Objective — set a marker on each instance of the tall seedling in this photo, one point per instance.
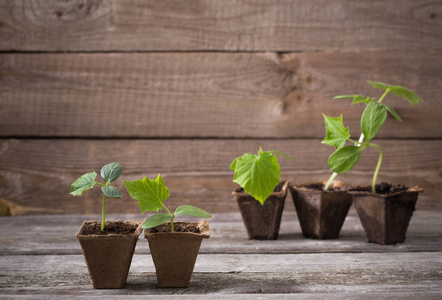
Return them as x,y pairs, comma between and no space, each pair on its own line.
372,119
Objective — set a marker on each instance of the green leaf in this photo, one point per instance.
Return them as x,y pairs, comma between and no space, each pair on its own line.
155,220
372,119
399,91
189,210
233,164
342,160
111,172
356,98
258,174
336,133
379,85
393,113
345,97
282,154
149,193
111,192
83,183
406,94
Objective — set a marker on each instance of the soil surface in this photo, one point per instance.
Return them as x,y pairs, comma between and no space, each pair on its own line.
115,227
278,188
178,227
319,187
382,188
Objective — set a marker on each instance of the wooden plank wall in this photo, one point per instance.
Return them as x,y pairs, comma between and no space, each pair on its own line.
181,88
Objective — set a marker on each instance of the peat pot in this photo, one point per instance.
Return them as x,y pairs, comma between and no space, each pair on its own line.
174,253
108,256
385,217
321,213
262,221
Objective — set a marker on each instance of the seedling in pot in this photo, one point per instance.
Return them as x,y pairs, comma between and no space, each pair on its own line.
372,119
109,173
258,174
151,195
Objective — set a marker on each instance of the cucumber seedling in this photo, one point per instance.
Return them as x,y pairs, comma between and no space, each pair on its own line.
109,173
258,174
372,119
151,194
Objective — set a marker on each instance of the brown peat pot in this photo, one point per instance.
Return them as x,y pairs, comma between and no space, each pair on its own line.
174,253
385,217
321,213
262,221
108,256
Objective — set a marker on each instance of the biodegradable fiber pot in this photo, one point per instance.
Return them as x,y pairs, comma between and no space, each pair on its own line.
385,217
321,213
174,253
262,221
108,257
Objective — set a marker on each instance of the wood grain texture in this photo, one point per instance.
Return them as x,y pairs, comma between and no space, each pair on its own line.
403,270
55,235
39,172
222,95
237,274
235,25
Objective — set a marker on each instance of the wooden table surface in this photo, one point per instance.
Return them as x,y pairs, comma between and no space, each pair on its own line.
40,257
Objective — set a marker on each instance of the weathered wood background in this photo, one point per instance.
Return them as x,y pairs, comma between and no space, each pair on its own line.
181,88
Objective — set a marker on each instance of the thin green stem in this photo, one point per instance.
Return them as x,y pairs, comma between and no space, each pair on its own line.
361,139
330,180
172,216
383,96
376,172
99,183
333,176
171,223
103,220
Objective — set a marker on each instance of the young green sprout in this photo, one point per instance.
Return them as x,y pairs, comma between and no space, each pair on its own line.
109,173
258,174
151,194
372,119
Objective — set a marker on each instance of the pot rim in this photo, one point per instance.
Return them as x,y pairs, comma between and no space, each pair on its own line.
335,183
414,189
203,225
278,194
136,233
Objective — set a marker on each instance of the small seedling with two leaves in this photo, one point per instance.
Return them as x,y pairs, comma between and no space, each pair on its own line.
109,173
151,194
258,174
372,119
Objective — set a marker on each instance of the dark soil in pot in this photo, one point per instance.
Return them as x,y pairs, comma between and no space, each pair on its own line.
262,221
174,253
321,213
385,215
108,254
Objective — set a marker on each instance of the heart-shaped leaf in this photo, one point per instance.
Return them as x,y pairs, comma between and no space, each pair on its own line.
155,220
189,210
83,183
372,119
149,193
343,160
258,174
111,172
111,192
336,134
